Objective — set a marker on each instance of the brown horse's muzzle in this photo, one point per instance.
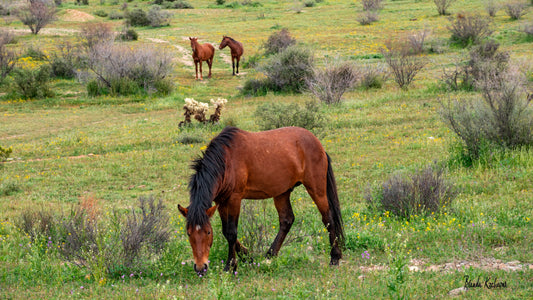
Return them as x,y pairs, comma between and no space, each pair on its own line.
201,271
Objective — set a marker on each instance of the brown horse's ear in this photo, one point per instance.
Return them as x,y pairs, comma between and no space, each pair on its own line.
211,211
183,210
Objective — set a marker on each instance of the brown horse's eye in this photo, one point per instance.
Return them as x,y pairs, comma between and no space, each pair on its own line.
209,232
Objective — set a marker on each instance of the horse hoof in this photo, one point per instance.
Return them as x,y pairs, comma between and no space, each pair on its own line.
334,262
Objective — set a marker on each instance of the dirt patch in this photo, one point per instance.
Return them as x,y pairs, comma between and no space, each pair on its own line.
72,15
488,264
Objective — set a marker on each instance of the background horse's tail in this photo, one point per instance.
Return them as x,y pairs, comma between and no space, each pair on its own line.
334,205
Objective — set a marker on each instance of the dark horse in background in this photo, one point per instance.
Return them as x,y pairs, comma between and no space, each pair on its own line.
236,50
202,52
244,165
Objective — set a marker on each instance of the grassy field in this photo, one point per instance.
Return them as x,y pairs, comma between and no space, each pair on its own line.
112,150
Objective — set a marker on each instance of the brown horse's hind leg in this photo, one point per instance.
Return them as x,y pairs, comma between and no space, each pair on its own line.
209,63
321,202
233,65
286,218
238,59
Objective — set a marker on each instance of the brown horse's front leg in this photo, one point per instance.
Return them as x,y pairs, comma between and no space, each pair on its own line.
196,68
286,219
238,59
229,229
201,77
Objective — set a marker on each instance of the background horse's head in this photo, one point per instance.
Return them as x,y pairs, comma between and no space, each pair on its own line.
194,43
224,42
200,238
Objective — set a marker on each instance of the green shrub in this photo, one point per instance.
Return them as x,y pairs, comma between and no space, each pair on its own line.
100,13
66,60
178,4
288,70
256,87
423,192
128,34
94,88
137,17
116,15
277,115
469,28
5,153
33,83
373,77
158,17
278,41
309,3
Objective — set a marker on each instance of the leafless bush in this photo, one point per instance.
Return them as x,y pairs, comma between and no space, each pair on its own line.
516,9
8,57
420,193
443,5
93,34
417,40
372,5
145,66
469,28
329,83
482,57
367,17
491,7
147,229
278,41
402,64
503,116
78,237
37,224
36,14
528,29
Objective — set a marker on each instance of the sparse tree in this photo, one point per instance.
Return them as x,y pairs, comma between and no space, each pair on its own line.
443,5
402,64
8,58
36,14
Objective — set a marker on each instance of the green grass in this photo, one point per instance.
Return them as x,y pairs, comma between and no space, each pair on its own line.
118,149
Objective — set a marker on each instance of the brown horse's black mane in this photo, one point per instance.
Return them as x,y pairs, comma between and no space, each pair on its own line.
231,39
209,169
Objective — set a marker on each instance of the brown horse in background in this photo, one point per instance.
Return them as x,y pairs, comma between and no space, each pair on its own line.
238,165
202,52
236,50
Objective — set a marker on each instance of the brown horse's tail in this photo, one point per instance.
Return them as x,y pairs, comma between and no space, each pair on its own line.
334,205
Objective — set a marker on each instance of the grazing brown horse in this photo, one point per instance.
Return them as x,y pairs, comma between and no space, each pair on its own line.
236,50
238,164
202,52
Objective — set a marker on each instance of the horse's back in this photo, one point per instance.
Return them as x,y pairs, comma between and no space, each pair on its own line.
271,162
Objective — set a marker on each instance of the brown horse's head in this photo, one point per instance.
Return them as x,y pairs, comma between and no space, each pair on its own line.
201,239
224,42
194,43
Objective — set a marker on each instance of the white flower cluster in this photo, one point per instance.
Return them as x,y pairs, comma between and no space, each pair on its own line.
195,106
220,102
